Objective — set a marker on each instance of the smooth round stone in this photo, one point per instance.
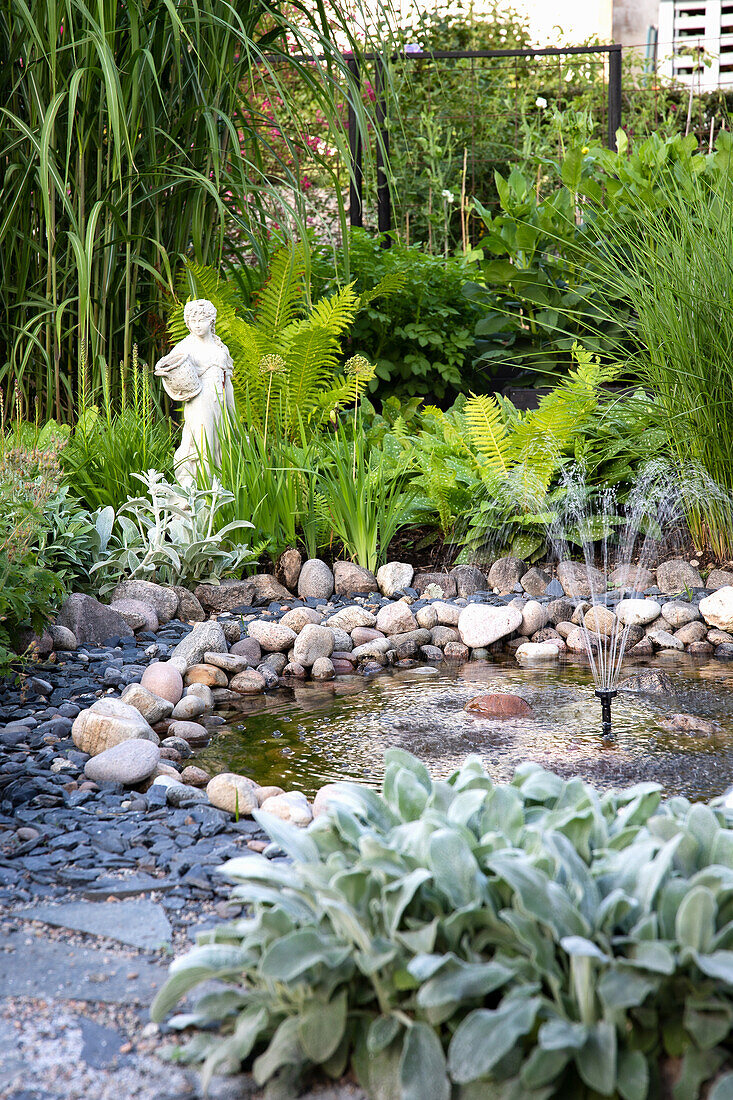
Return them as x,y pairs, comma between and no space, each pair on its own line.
678,613
480,625
300,617
396,618
177,745
189,708
201,691
191,732
293,807
312,643
499,705
273,637
250,682
537,651
128,762
230,663
638,612
600,620
138,615
206,674
233,793
180,796
249,648
360,635
349,618
163,679
315,580
717,609
152,707
195,777
323,669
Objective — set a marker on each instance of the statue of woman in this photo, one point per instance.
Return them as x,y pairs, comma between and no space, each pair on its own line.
198,372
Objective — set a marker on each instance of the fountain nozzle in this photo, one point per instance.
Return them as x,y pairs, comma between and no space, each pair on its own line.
606,695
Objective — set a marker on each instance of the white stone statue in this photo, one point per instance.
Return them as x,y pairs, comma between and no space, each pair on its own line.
198,371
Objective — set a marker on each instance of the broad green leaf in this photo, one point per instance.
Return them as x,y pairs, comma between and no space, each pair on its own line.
455,870
695,923
596,1060
718,964
624,988
294,954
461,981
486,1035
321,1027
632,1075
708,1022
422,1067
382,1032
284,1049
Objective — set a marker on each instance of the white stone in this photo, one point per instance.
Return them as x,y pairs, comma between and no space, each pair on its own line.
427,616
273,637
480,625
637,612
106,723
202,692
202,638
537,651
293,807
392,577
300,617
447,613
717,609
233,793
662,639
534,617
198,371
678,613
349,618
313,642
372,649
395,618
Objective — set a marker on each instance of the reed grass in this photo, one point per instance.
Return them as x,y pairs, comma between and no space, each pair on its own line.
127,143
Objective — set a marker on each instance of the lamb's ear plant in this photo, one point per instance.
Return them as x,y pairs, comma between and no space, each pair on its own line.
464,940
171,534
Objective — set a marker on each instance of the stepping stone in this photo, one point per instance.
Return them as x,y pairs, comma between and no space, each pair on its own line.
137,923
53,969
101,1044
127,887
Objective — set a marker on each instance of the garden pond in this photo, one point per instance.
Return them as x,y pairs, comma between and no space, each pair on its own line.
319,733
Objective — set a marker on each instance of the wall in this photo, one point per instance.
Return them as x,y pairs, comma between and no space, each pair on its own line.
631,20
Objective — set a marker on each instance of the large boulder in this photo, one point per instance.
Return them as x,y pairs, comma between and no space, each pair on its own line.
393,577
128,762
164,601
717,609
315,580
225,596
190,650
579,579
164,679
350,578
677,575
480,625
273,637
138,615
106,723
395,618
312,642
189,608
90,621
506,573
535,581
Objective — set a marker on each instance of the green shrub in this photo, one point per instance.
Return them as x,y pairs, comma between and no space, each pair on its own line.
464,939
420,340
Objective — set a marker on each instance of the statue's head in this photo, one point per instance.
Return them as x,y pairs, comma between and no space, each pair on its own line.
200,316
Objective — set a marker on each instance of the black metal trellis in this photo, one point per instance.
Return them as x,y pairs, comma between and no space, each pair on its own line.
384,198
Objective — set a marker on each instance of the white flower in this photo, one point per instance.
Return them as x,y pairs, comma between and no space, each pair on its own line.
540,102
448,195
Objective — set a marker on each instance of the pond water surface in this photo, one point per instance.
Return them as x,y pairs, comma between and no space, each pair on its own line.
312,734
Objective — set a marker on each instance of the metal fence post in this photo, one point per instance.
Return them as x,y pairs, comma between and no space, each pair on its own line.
356,174
384,199
614,94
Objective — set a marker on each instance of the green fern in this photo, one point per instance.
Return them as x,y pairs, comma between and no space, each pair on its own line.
488,431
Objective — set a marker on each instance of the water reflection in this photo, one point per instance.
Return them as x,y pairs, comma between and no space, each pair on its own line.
303,737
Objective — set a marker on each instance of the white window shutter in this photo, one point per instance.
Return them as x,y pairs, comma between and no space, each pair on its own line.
692,32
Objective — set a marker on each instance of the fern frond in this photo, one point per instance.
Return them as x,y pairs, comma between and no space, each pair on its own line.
281,298
337,311
391,283
439,481
488,431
